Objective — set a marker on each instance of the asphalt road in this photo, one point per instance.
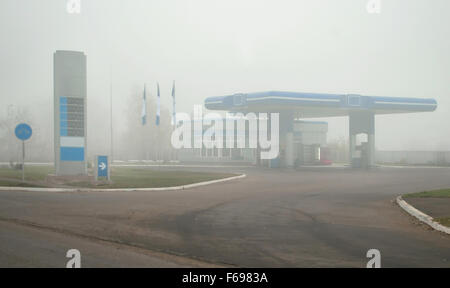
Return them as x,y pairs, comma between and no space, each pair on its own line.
313,217
25,245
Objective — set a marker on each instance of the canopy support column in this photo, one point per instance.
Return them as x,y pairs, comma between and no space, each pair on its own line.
363,155
287,137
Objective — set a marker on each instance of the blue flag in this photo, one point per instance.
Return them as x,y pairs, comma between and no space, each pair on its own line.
158,104
144,108
174,117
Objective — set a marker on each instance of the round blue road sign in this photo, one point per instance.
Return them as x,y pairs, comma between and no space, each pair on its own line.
23,131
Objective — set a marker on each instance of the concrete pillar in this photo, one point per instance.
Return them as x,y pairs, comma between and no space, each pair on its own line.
352,149
371,147
362,122
257,160
290,149
287,137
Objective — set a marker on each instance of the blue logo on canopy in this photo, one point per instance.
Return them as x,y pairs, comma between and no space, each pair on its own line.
23,131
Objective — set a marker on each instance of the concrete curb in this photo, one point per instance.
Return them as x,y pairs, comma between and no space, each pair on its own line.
43,189
422,216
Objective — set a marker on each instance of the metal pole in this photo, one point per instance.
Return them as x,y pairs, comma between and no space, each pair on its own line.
23,161
111,120
109,169
10,130
96,167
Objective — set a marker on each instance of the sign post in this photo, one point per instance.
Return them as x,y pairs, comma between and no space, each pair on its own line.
102,169
23,132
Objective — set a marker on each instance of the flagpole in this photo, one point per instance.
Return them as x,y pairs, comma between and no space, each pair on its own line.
158,111
144,122
111,121
174,118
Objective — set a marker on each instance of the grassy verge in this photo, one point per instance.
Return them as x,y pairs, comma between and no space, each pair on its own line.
122,177
32,173
443,193
444,221
15,183
126,177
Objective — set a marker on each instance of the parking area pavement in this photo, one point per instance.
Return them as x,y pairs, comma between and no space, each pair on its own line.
310,217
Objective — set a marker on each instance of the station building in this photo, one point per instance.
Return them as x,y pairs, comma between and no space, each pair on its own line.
310,146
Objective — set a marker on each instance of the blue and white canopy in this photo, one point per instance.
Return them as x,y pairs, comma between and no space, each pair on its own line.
317,104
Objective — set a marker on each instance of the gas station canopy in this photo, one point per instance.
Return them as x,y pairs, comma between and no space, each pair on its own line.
290,105
318,104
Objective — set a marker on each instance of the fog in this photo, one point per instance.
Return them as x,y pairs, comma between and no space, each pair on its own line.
214,48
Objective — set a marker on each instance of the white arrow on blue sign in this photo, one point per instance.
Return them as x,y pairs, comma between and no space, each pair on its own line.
102,166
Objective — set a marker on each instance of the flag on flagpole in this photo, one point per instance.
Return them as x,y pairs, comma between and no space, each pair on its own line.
144,108
158,106
174,117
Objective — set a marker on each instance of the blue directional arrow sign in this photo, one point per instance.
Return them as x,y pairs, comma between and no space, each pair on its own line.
23,131
102,166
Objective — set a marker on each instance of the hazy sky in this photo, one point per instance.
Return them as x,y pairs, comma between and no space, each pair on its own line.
214,48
